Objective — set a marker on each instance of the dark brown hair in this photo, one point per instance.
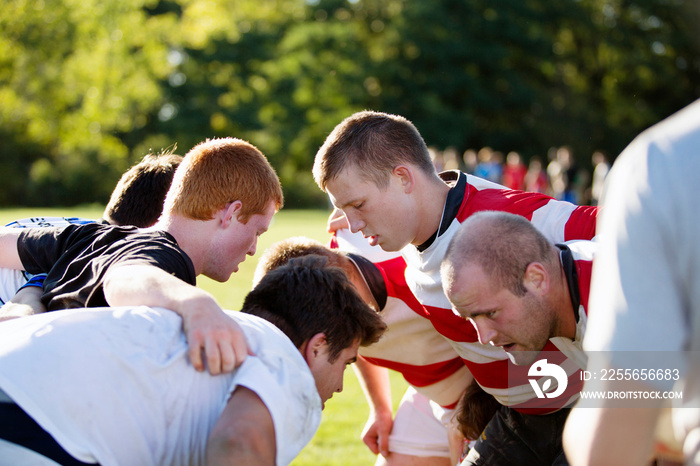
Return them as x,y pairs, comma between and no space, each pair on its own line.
138,197
282,251
475,410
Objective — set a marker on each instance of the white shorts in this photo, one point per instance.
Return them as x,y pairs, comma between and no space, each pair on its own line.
420,427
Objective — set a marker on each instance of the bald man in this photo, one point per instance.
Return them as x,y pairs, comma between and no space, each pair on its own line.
523,294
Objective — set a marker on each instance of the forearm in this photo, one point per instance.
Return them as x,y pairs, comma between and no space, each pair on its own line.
25,303
209,331
375,384
9,256
145,285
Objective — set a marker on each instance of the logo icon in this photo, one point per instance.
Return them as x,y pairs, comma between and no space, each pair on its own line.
542,368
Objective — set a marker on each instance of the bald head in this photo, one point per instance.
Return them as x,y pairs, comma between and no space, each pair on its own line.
502,245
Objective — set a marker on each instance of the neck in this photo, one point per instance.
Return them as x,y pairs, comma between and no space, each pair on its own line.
188,233
431,205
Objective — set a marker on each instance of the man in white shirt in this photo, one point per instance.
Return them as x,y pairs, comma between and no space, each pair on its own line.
645,299
115,386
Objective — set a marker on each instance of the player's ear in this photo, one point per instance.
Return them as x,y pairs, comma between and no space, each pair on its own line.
230,212
406,177
314,348
536,278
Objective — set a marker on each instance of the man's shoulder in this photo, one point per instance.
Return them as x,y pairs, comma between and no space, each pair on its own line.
582,249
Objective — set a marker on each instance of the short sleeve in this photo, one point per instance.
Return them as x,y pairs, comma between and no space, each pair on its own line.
40,248
286,386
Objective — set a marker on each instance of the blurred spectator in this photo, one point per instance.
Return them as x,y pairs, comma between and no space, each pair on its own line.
451,159
470,161
437,158
556,172
536,178
488,167
566,180
514,172
601,166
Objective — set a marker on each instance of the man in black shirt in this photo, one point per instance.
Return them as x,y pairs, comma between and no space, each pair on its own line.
222,198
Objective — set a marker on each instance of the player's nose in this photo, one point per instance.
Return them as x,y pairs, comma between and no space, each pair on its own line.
356,223
486,333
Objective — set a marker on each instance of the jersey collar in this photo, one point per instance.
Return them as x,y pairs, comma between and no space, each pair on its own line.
569,265
458,184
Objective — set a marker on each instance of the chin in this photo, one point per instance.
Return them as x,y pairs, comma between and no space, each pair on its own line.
221,278
390,247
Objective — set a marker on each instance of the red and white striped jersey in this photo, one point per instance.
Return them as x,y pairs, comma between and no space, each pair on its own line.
410,345
559,221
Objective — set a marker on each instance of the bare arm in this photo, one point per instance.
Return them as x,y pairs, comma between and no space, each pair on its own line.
207,328
9,257
26,302
244,434
610,434
375,383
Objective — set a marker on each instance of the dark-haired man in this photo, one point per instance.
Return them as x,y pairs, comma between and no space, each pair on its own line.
115,387
136,200
418,434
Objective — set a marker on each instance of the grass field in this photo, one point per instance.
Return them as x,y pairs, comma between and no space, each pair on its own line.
338,439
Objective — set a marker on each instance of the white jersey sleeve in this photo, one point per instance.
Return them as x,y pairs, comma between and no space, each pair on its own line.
115,386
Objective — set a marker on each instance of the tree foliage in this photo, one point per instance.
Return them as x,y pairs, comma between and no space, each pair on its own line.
88,87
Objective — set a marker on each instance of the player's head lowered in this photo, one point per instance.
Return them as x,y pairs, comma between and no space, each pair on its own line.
282,251
138,197
375,143
306,297
502,245
503,275
219,171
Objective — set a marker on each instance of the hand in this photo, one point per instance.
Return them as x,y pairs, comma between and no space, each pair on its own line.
26,302
337,221
209,331
376,432
11,315
214,335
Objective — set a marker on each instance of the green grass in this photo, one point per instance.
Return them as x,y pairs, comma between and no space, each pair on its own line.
338,439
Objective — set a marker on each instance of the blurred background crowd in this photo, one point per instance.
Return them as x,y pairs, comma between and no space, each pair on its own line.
557,175
88,88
